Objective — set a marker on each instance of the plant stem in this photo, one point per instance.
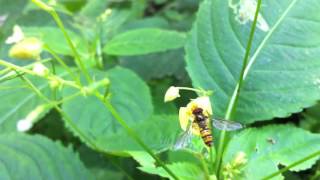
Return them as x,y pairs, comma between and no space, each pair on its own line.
205,167
313,155
133,134
51,77
63,64
57,19
234,99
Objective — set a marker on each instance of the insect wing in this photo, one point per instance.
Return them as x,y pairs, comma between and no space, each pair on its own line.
184,140
226,125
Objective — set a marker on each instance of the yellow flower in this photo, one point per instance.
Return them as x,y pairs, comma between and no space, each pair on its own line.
171,94
28,48
186,115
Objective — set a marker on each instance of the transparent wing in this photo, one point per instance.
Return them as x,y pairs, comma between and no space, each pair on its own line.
185,139
226,125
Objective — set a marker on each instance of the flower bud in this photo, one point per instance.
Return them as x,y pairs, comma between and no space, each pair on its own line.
55,84
26,124
171,94
28,48
40,69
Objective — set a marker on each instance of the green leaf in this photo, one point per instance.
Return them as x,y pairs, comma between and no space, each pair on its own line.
157,65
18,100
131,98
144,41
268,147
158,132
36,157
282,75
184,170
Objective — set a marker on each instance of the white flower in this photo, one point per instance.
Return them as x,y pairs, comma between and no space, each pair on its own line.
24,125
16,36
171,94
40,69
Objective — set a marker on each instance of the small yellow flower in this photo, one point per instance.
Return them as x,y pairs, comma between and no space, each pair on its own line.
186,115
171,94
28,48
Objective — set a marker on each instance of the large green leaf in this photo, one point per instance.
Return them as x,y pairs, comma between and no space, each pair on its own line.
18,100
131,98
283,72
36,157
144,41
268,147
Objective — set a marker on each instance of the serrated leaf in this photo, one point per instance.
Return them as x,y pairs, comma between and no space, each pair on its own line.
144,41
283,72
268,147
36,157
18,100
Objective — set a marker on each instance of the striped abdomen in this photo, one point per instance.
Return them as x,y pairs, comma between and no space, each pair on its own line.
206,136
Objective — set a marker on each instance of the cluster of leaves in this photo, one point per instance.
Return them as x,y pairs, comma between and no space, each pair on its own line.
142,47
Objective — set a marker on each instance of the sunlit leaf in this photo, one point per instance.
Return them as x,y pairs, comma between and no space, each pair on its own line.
268,147
36,157
144,41
283,72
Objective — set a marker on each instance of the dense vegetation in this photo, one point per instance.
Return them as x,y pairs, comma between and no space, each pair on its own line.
83,84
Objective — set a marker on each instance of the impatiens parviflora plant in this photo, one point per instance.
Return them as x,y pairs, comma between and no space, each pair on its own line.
93,88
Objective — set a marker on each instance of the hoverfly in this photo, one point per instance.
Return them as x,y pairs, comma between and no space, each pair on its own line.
202,122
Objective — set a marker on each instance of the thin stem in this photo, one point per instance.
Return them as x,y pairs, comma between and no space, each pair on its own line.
56,17
133,134
63,114
63,64
205,167
50,77
234,99
313,155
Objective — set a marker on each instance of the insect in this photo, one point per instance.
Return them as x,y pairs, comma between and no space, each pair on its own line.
203,122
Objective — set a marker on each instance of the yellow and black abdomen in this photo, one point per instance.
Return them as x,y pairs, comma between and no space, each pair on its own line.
206,136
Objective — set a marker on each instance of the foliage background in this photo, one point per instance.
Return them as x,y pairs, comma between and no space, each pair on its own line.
143,47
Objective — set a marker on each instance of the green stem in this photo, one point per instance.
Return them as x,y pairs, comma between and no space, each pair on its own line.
63,114
234,99
63,64
133,134
57,19
205,167
313,155
50,77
